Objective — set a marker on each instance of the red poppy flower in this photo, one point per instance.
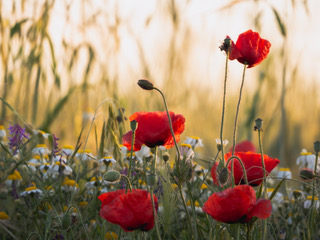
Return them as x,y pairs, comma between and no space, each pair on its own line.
131,210
249,49
253,164
244,146
154,130
237,205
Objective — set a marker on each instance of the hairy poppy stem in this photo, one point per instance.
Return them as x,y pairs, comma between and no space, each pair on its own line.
224,102
170,122
131,153
151,193
241,163
312,209
128,182
264,182
236,120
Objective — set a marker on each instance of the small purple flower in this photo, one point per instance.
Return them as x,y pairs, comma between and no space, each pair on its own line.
124,182
19,134
55,148
159,190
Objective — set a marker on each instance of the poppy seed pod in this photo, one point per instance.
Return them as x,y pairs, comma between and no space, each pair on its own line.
133,125
258,125
316,146
165,156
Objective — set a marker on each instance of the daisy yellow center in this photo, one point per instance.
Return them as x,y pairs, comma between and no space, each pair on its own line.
15,176
41,146
1,127
68,147
310,198
31,188
305,153
196,138
284,169
3,216
185,145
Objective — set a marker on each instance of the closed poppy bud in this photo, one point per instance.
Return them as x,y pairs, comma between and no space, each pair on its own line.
145,84
223,176
226,45
151,180
112,176
306,174
66,221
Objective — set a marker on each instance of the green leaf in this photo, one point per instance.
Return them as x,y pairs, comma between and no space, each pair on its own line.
16,29
281,25
276,189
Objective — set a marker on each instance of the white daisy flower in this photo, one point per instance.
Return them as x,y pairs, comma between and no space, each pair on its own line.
32,191
2,132
194,141
41,149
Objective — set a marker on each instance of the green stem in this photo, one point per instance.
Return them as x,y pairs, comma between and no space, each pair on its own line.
131,153
128,182
185,205
236,121
238,231
170,123
224,104
312,209
264,230
241,163
154,214
151,193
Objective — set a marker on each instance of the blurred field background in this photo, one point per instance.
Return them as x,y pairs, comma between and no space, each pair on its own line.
61,59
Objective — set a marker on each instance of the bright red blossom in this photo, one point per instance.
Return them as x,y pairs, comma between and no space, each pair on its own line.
253,164
244,146
131,210
237,205
154,130
249,49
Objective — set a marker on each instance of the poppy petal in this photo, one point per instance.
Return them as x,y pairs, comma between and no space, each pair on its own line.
263,208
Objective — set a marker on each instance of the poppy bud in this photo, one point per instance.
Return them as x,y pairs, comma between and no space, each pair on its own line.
258,125
133,125
145,84
306,174
316,146
223,176
226,45
151,180
165,157
66,221
112,176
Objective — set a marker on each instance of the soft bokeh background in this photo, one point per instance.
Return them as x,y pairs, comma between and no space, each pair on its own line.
61,59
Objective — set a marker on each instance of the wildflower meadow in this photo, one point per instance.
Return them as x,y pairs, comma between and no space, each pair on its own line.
130,169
